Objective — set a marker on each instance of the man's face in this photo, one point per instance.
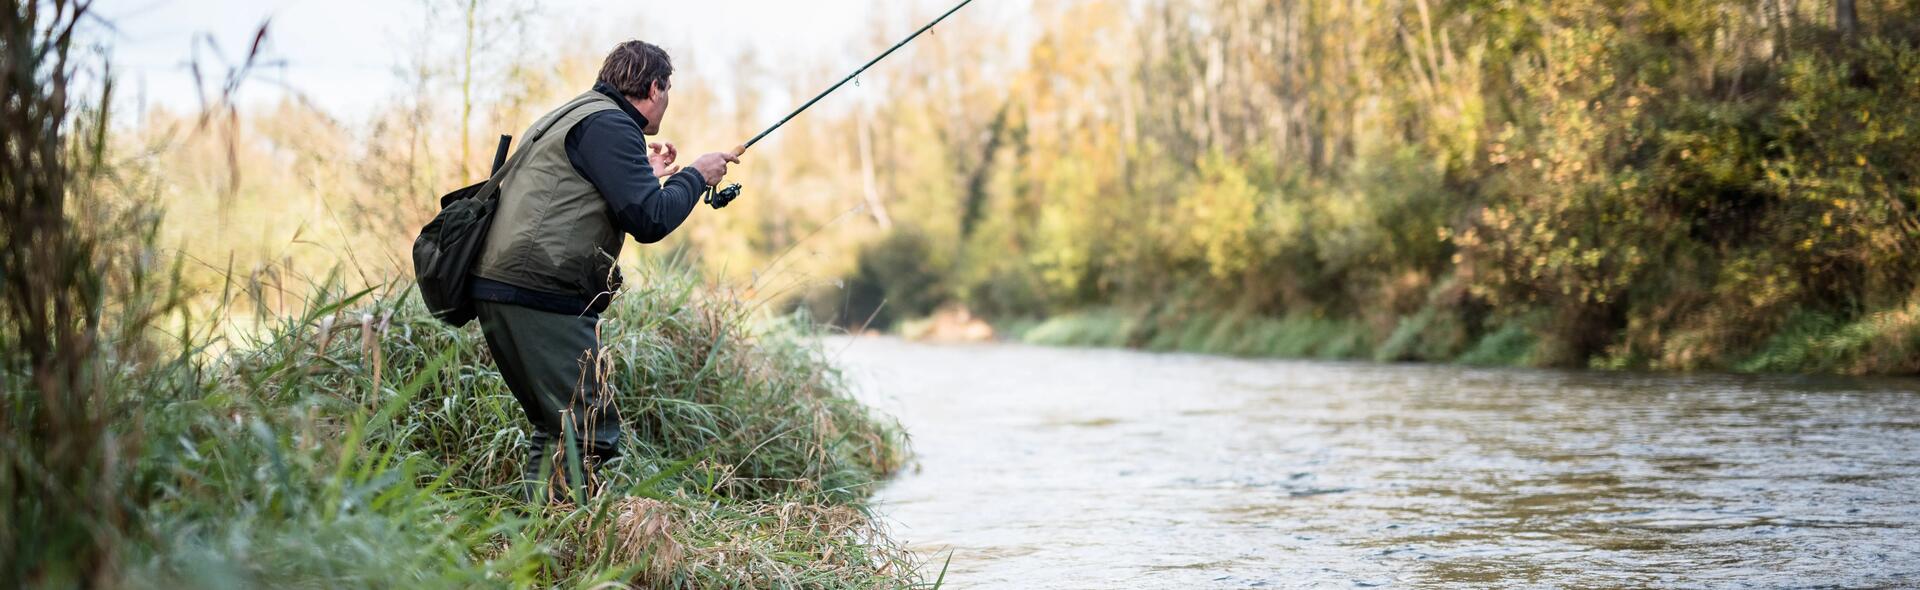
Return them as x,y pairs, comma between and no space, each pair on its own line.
654,107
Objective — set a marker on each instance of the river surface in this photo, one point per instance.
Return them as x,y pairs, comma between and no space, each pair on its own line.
1066,468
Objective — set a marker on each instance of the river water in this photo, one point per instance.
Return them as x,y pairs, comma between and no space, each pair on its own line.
1065,468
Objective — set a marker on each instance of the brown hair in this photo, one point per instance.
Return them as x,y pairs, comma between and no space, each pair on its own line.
634,67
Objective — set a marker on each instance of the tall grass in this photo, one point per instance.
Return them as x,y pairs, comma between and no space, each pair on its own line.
361,443
76,297
1883,342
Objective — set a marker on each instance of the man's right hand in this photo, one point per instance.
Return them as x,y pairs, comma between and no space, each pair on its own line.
713,167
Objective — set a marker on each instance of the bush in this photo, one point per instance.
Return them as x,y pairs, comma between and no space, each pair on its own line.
898,278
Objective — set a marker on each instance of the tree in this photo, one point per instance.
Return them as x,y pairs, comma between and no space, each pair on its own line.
1846,19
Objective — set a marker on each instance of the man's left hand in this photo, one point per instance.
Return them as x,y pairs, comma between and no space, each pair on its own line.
662,159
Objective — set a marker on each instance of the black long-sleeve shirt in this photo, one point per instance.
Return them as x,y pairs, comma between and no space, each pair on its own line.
609,150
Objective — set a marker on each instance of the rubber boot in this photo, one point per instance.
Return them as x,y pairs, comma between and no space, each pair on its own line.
534,473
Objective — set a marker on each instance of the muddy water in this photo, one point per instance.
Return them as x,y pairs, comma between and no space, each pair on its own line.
1059,468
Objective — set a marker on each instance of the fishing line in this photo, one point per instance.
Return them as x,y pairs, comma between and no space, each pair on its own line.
723,196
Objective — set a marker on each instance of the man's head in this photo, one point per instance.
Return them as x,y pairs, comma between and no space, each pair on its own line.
641,71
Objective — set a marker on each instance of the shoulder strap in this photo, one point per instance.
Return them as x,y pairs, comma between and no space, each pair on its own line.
492,188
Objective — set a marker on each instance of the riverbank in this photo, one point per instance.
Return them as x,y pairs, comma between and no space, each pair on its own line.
361,443
1886,342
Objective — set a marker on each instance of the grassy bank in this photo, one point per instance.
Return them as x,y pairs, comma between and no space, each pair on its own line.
166,422
1885,342
363,444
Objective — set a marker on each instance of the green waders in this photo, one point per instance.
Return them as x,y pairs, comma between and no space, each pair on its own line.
548,361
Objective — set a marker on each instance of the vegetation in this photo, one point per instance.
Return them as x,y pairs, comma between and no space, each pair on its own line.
336,436
1709,184
364,444
1691,184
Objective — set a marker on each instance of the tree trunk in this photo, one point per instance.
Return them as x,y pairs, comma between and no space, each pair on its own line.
868,179
466,88
1846,19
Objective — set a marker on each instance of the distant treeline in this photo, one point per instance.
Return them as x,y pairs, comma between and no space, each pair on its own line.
1692,184
1683,184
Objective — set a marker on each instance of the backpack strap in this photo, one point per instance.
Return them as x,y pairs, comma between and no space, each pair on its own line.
492,188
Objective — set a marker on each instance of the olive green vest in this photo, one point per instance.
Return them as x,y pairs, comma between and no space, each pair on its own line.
552,231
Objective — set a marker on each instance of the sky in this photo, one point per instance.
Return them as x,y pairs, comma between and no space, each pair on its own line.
345,55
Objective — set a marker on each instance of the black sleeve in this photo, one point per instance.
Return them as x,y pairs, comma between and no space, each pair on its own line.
609,151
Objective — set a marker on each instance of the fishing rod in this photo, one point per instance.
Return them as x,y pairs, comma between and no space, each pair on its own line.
723,196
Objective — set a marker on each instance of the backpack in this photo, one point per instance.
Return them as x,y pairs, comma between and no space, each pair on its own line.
447,249
449,246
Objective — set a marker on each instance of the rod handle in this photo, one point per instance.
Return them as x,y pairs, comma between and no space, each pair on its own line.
500,153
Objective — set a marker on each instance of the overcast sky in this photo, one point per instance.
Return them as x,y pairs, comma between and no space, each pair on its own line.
345,54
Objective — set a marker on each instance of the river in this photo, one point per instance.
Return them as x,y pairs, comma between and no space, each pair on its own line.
1068,468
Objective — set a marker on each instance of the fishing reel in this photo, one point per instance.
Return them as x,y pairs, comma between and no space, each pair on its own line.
721,197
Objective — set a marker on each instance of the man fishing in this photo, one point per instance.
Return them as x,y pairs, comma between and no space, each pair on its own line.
549,267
